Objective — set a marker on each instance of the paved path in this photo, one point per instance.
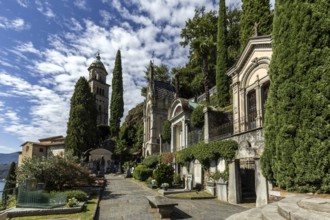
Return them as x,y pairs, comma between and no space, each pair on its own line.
125,200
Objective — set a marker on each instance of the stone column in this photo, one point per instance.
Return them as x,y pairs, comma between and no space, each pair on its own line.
259,105
261,185
172,137
242,110
234,183
183,135
206,125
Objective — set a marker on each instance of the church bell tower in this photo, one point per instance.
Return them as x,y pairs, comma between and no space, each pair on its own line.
99,87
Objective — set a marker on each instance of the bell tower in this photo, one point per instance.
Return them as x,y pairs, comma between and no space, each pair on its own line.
99,87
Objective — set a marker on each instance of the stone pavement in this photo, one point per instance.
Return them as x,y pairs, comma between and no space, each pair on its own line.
125,200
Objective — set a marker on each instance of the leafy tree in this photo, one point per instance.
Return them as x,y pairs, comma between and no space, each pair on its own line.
222,57
297,122
82,124
117,99
10,184
132,129
254,13
54,171
200,34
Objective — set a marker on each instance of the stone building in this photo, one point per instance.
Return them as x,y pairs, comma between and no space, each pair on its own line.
99,87
250,83
45,146
158,100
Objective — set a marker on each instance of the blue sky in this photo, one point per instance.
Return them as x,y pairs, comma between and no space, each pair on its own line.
45,46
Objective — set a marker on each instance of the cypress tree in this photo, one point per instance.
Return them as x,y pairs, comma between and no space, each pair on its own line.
82,124
254,12
117,100
297,123
221,66
10,184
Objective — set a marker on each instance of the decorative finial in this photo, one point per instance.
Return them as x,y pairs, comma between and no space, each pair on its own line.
98,55
256,25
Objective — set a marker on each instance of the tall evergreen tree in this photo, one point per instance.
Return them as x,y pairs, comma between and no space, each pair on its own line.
10,184
297,123
255,15
117,100
82,124
221,67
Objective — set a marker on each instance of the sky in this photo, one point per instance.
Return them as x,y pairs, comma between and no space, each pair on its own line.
45,46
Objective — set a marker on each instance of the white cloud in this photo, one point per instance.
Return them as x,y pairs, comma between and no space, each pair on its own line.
17,24
44,8
23,3
27,47
106,17
81,4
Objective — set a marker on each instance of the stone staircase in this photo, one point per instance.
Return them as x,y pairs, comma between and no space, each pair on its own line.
290,208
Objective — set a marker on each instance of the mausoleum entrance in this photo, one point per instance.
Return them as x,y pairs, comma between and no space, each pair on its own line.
247,174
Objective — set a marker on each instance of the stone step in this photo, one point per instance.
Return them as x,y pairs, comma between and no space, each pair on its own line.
252,214
290,209
270,212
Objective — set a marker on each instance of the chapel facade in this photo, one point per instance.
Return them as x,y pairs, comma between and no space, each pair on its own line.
155,109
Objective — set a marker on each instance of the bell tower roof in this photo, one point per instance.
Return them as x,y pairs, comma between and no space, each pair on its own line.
97,63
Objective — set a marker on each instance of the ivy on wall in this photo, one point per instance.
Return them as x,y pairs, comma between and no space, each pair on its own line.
205,153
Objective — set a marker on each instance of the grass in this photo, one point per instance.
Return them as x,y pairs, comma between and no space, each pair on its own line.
200,194
86,214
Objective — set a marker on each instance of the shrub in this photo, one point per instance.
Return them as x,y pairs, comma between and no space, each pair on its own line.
197,117
177,179
164,174
151,161
166,131
142,173
78,194
72,202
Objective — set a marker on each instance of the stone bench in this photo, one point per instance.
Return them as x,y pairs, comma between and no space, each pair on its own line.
163,205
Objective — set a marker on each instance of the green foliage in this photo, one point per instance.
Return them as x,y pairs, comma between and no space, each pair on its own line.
177,179
82,129
197,117
103,132
222,79
254,12
54,171
166,131
151,161
117,99
81,196
164,174
132,129
142,173
205,153
233,27
72,202
200,34
10,184
297,120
